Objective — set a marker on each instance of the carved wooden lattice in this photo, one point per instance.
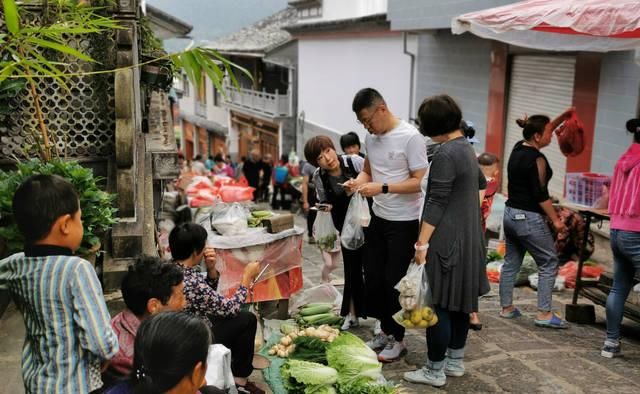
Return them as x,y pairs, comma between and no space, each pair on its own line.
80,117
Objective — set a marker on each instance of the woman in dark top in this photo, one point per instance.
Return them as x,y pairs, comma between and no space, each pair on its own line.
333,170
450,240
526,211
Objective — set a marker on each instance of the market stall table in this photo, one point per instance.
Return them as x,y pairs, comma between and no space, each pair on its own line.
282,251
584,313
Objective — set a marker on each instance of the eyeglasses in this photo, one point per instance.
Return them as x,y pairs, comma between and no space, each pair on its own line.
367,122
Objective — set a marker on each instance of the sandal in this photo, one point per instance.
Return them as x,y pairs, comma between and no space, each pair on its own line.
554,322
515,312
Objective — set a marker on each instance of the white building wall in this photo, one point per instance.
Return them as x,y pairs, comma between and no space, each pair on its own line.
219,113
333,70
348,9
187,102
617,103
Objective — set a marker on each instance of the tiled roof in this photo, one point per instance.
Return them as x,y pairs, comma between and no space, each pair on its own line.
261,37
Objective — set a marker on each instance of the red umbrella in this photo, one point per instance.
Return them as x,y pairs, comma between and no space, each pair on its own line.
558,25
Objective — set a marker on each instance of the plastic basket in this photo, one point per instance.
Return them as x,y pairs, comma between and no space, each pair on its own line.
585,188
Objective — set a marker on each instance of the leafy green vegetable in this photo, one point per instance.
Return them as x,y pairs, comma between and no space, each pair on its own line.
493,256
310,349
353,359
327,243
302,377
365,386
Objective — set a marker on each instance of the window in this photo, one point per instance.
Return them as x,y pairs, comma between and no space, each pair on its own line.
216,99
202,89
310,12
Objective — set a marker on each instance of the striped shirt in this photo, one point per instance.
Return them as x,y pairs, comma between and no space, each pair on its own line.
68,331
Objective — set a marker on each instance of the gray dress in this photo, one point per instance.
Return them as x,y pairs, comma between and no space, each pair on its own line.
456,255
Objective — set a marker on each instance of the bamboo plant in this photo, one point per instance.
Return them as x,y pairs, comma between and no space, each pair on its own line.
23,48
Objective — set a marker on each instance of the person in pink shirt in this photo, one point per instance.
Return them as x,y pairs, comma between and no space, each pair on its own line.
222,168
624,209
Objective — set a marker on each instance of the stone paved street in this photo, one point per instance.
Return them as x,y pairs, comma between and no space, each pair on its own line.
506,356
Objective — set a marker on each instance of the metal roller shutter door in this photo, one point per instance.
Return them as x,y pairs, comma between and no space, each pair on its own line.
539,85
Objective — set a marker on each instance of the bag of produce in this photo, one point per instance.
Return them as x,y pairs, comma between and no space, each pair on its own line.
352,231
325,232
415,299
230,219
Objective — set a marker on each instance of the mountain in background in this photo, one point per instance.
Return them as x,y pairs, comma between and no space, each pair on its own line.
214,18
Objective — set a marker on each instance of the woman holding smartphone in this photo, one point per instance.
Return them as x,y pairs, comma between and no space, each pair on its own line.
333,170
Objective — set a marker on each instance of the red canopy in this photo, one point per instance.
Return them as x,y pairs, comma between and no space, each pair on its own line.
561,25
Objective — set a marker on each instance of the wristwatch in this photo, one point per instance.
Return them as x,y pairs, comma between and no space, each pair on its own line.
421,247
385,188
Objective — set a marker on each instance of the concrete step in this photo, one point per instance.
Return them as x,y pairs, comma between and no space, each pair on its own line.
114,271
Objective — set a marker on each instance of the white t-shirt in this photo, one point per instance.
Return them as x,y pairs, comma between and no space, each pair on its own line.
391,157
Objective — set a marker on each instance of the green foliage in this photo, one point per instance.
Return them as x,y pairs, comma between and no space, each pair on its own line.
310,349
198,61
98,212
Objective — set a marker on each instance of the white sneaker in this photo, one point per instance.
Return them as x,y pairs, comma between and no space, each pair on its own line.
376,328
425,375
392,351
350,322
378,342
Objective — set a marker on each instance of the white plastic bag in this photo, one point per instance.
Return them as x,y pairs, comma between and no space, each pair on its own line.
415,299
325,232
219,369
357,217
325,292
230,219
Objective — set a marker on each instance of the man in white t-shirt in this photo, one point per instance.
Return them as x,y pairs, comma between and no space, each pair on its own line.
395,164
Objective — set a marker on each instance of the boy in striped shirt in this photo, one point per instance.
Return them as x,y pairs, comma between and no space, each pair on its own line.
68,333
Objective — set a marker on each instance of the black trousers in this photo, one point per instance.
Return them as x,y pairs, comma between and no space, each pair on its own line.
389,251
450,332
353,282
238,334
311,213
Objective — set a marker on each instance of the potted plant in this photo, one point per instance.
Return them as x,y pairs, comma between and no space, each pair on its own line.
98,212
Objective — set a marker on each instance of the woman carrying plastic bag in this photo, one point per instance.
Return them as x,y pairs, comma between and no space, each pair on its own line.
333,170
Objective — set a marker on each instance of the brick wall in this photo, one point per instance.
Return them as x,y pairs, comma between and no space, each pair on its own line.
617,102
433,14
460,67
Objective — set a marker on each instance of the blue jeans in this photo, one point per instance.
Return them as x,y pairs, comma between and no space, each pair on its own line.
527,231
626,262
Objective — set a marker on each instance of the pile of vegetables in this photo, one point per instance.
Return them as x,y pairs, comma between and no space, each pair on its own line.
318,314
353,368
289,343
256,217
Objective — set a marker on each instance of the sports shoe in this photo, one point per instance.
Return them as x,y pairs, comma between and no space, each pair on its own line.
610,350
454,363
377,329
392,351
350,322
426,375
378,342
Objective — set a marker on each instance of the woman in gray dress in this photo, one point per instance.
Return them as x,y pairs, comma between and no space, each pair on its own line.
450,240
